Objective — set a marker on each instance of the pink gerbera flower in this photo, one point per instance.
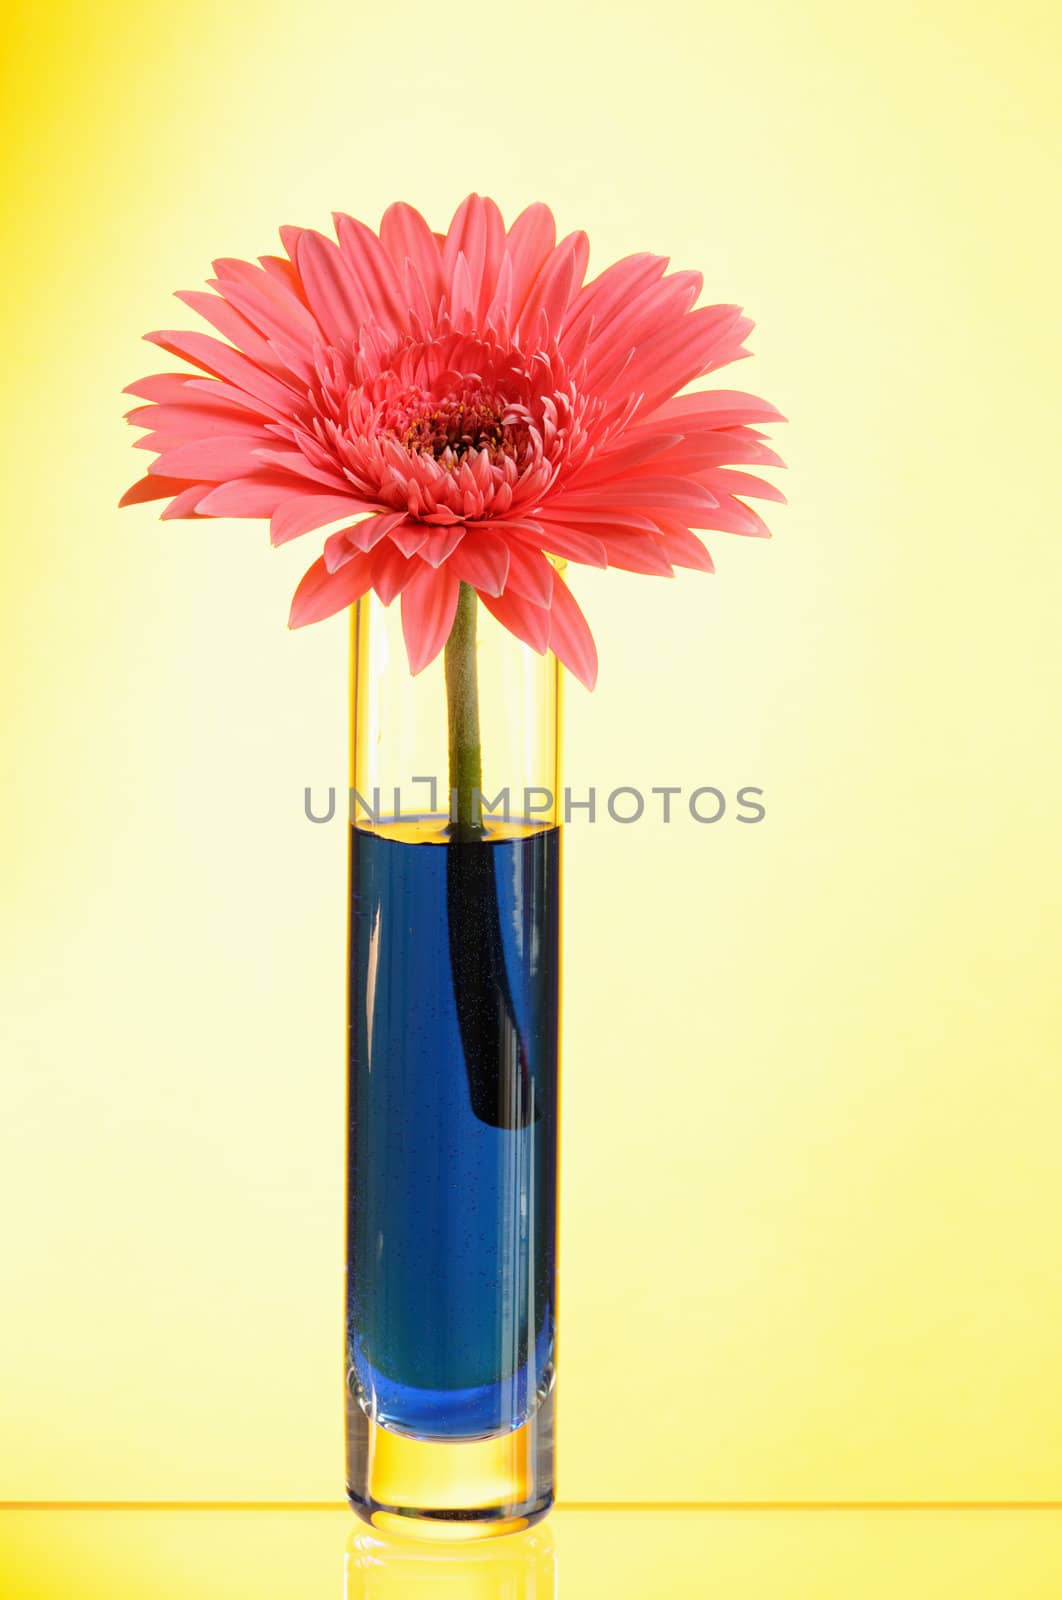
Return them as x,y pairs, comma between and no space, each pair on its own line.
459,408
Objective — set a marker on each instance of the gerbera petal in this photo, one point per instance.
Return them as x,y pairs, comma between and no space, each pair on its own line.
374,271
218,457
294,461
322,593
158,442
409,536
301,512
685,349
556,284
165,388
529,622
153,487
429,602
625,456
530,573
289,238
587,514
493,255
440,545
360,536
214,392
391,570
232,325
715,408
367,533
476,233
482,559
255,496
605,296
338,550
269,298
499,308
566,542
282,271
422,310
529,244
734,516
224,362
290,330
689,456
407,237
657,306
733,445
330,288
676,494
185,504
746,483
192,420
570,638
637,552
466,239
684,549
462,293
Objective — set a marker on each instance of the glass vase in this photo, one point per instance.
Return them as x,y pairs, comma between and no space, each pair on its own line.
453,1080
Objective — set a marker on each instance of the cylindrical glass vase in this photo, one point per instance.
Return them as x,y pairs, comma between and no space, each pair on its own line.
453,1080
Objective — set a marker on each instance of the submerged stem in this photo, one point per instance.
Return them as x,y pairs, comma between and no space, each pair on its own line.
462,712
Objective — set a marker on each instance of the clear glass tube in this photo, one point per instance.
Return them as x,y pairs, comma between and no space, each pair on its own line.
453,1082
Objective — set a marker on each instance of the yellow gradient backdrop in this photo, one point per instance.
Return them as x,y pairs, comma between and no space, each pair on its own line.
812,1186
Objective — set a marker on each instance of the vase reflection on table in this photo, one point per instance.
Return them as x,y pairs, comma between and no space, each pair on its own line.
520,1568
453,1080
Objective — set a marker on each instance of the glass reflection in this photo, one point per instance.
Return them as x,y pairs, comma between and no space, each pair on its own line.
520,1567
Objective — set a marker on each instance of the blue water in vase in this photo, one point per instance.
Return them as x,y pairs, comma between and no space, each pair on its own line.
452,1137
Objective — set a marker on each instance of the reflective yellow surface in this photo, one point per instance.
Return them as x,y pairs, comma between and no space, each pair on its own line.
811,1186
575,1555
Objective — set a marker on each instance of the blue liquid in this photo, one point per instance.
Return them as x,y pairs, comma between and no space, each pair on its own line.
452,1140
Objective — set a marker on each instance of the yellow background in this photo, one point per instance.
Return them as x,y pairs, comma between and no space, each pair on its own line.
812,1185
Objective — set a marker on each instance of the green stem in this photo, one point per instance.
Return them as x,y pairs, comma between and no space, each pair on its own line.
462,713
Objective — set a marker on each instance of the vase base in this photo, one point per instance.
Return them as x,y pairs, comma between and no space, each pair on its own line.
448,1490
436,1528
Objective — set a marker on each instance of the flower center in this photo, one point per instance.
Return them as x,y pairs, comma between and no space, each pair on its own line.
449,427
